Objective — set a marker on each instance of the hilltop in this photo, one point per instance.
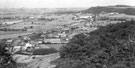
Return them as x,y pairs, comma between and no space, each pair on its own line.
108,9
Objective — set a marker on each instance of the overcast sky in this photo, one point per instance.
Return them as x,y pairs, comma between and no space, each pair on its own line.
61,3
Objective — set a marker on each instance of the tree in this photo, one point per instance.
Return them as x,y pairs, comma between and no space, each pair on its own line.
6,58
109,46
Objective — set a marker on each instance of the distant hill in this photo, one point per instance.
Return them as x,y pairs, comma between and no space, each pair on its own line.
38,10
117,8
120,6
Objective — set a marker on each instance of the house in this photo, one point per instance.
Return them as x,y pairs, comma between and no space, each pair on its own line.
27,45
16,49
113,13
9,41
39,41
26,38
52,41
62,34
85,17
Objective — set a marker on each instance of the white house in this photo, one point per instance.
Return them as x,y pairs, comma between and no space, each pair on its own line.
27,45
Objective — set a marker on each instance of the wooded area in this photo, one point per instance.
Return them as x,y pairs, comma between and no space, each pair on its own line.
111,46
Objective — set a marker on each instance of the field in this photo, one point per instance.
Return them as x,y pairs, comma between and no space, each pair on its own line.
43,62
37,61
12,35
38,26
56,46
123,16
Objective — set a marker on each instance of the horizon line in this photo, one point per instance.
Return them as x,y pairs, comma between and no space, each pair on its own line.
60,7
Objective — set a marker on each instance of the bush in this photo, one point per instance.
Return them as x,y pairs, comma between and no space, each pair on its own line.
44,51
35,36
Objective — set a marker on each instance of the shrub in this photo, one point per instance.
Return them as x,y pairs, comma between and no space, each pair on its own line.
44,51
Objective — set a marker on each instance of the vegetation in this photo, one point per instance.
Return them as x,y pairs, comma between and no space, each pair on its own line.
35,36
44,51
121,6
6,58
109,9
111,46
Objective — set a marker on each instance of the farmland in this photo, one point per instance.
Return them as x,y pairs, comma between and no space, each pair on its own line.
34,26
40,37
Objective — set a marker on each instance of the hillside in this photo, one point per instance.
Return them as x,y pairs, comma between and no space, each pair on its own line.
120,6
117,8
111,46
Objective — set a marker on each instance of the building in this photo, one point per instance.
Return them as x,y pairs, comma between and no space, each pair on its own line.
9,41
27,45
16,49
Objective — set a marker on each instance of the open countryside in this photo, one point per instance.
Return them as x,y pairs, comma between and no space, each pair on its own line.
96,37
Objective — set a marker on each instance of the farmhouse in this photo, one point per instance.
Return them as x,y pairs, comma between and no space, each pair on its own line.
27,45
9,41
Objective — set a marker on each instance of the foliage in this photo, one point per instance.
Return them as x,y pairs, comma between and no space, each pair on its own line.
108,9
35,36
110,46
6,58
44,51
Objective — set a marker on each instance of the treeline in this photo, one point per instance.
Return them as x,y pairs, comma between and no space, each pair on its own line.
6,29
107,9
111,46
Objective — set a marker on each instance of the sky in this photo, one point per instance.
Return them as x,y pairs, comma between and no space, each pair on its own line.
61,3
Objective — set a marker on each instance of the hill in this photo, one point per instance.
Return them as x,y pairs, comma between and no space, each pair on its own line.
111,46
28,11
108,9
120,6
